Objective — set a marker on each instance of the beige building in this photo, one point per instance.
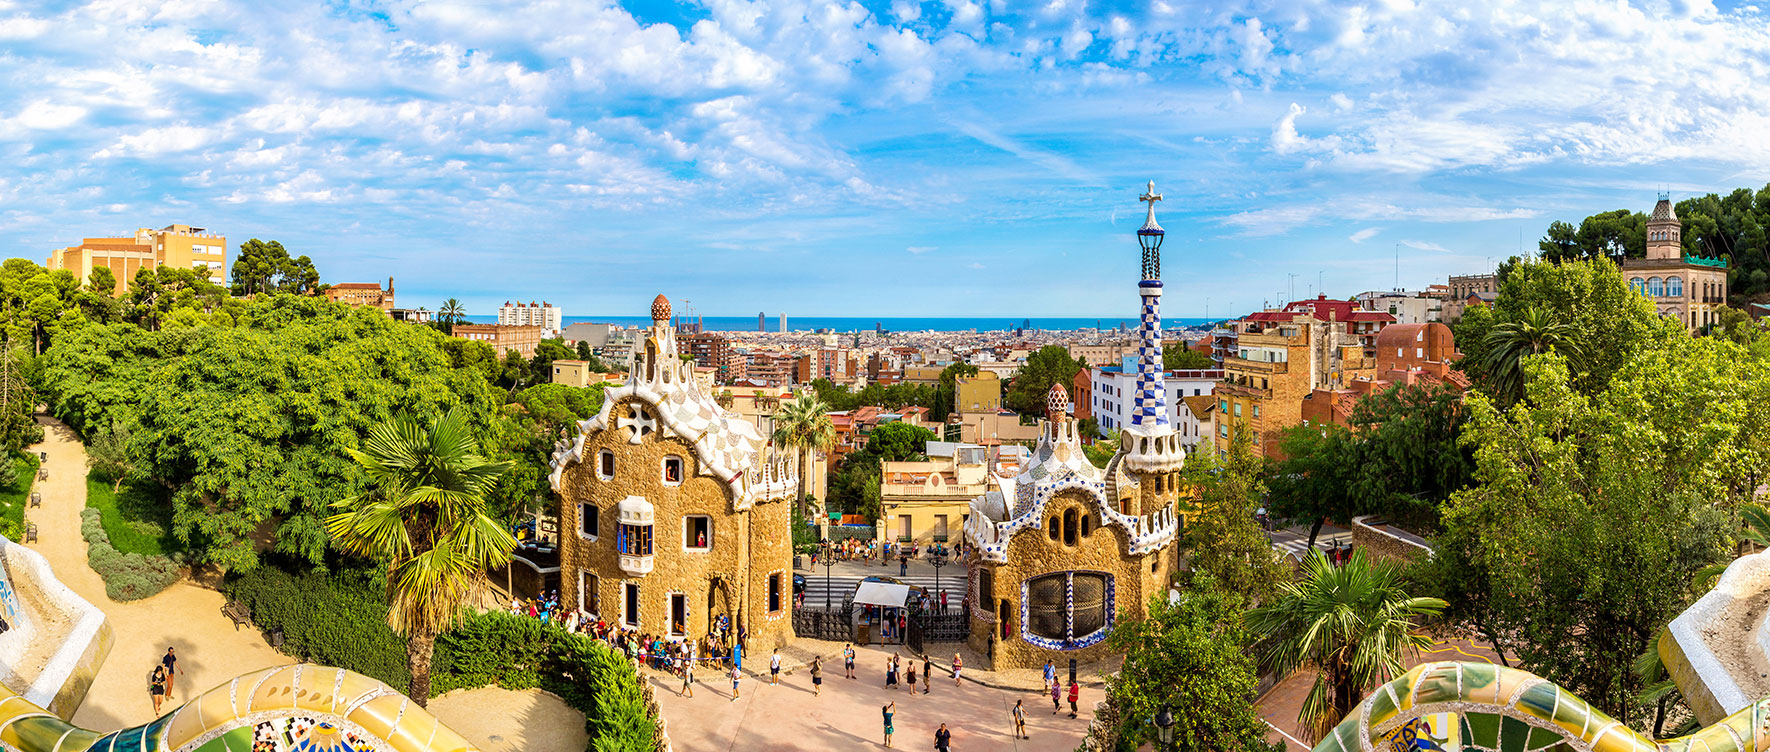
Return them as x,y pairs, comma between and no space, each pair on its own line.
181,246
1687,288
1103,355
994,428
522,339
1062,551
1280,360
926,502
759,404
577,373
674,511
1461,288
364,294
978,394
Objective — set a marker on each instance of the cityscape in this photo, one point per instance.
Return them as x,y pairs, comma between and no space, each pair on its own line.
1268,378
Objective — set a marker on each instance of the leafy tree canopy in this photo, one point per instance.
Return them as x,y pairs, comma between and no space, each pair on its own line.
1179,357
1048,365
265,266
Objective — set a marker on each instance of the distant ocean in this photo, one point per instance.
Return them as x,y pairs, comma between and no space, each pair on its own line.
890,324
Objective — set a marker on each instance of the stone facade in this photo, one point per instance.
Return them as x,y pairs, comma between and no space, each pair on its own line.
673,510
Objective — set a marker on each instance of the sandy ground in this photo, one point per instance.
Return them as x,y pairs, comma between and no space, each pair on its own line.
210,650
499,720
847,714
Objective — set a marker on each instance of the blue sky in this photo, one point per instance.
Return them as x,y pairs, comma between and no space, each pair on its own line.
955,157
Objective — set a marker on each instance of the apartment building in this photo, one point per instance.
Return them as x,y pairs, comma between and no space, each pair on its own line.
365,294
543,314
181,246
836,364
503,339
771,367
978,394
1406,307
1112,392
714,351
1464,286
1405,354
1281,358
926,502
577,373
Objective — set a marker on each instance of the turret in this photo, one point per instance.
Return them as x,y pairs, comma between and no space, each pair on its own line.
1148,446
1664,231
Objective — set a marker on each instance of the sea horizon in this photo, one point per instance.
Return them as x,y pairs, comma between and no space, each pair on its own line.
849,324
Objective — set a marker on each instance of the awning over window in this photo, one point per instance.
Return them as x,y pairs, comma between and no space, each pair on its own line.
881,594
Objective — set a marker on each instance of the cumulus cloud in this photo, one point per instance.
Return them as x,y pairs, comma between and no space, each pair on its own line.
1363,235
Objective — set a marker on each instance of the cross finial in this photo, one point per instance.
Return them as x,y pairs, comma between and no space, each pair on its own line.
1150,197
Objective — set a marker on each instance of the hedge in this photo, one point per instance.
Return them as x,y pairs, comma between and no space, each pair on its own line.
518,652
127,577
13,494
332,619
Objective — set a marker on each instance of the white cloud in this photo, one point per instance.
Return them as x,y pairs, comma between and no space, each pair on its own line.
921,249
1425,246
43,115
1364,234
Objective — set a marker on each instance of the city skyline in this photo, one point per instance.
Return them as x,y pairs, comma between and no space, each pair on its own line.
740,155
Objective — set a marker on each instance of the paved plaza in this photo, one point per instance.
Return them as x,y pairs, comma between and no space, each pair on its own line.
847,714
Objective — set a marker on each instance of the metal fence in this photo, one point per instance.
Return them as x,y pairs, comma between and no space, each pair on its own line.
839,533
832,624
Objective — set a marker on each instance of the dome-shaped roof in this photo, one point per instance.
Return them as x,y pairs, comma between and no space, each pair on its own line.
660,308
1056,401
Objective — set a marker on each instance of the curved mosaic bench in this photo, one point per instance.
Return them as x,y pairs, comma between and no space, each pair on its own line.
1479,707
293,708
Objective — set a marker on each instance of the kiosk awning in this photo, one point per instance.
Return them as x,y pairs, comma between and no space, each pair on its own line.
881,594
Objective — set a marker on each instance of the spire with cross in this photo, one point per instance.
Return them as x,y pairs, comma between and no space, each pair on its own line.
1150,236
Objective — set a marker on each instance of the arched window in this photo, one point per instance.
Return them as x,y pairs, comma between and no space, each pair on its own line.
1067,610
1654,287
1056,527
1637,284
1069,527
1675,286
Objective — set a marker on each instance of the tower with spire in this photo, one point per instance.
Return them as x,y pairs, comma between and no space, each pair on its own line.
1149,448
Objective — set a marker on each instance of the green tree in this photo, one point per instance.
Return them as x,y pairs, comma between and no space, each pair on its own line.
1592,514
451,313
547,351
1533,332
803,426
262,267
1179,357
1353,623
424,518
1224,542
1608,322
1048,365
18,405
1190,657
516,372
1317,479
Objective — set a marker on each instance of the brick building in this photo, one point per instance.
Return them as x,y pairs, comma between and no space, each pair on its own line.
366,294
503,339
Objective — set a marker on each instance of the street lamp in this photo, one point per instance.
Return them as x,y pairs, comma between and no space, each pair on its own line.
827,550
1164,727
937,559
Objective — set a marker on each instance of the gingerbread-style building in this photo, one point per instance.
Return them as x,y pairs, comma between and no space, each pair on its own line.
1062,550
675,511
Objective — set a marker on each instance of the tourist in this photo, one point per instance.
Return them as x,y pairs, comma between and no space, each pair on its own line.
157,687
1050,673
1075,695
737,675
903,566
774,667
1056,696
687,679
943,739
848,660
927,674
817,676
958,665
170,661
891,672
890,709
943,599
1020,720
910,676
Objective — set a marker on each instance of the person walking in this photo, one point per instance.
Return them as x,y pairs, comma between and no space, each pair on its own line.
157,687
1020,720
817,676
170,661
1056,696
1075,695
891,673
927,674
687,679
848,660
889,710
943,739
1050,673
958,665
903,566
774,667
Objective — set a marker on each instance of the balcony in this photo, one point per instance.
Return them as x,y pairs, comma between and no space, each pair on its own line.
1263,367
1243,390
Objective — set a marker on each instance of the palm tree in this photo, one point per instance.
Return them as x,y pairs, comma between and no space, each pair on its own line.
1352,622
804,425
1535,331
426,519
451,312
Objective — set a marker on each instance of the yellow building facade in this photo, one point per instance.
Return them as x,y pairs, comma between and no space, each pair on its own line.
181,246
926,502
978,394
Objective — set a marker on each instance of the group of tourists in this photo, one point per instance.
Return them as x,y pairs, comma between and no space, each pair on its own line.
1055,687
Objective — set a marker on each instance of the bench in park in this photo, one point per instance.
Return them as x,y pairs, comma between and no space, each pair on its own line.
30,532
36,499
238,612
43,473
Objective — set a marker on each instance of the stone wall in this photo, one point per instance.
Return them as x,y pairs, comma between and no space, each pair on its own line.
729,577
1380,543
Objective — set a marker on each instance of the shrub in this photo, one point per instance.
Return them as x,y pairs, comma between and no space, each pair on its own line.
517,652
127,577
333,619
136,516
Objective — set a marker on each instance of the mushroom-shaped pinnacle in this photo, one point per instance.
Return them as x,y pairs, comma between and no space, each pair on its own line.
660,308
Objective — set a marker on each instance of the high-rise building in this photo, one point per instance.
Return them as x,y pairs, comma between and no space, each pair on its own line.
543,314
783,323
181,246
761,321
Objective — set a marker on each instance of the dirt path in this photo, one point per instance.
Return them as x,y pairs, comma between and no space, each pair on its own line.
210,650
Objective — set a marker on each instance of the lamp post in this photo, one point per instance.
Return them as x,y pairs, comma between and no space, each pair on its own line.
937,559
826,559
1164,727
